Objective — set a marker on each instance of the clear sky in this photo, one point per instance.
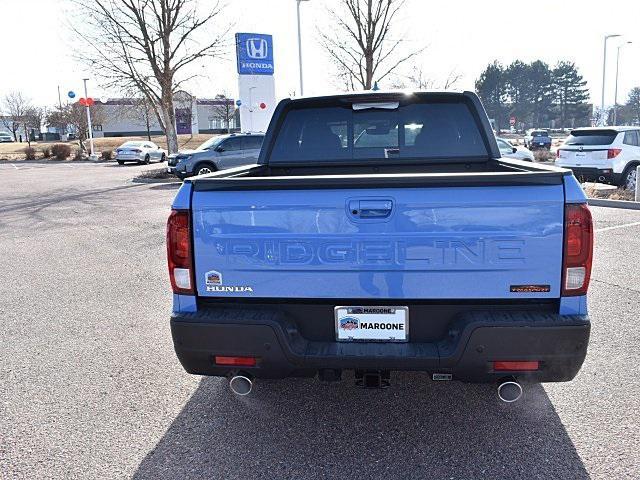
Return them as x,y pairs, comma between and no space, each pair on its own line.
460,35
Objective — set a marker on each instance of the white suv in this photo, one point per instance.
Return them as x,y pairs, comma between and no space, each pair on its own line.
602,154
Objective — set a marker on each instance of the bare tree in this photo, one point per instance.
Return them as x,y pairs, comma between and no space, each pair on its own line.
14,108
74,115
419,80
225,110
148,45
361,45
32,120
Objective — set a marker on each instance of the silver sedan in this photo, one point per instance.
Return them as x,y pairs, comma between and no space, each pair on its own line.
140,152
517,152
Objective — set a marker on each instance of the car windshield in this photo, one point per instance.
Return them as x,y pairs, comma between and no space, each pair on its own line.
132,144
591,137
425,130
211,143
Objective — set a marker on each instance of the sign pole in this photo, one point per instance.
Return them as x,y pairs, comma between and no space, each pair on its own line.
89,118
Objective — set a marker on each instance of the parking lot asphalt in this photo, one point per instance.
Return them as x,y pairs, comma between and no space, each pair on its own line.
91,387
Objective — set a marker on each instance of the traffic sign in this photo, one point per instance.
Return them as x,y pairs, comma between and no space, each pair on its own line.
71,94
86,102
238,102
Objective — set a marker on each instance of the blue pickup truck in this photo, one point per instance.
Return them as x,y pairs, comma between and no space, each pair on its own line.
382,232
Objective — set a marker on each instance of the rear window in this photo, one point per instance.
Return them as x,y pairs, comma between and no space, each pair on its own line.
591,137
416,131
540,133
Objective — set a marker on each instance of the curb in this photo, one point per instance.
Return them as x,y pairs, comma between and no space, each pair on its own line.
601,202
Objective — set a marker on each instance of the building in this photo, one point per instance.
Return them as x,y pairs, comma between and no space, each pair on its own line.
126,117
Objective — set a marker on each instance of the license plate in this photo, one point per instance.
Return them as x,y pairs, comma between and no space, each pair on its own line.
372,324
541,143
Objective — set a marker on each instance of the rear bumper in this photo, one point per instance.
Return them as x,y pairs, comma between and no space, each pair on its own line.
592,174
474,340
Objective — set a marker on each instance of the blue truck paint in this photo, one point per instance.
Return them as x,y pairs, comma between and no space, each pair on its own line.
573,305
573,192
434,244
184,303
279,259
182,200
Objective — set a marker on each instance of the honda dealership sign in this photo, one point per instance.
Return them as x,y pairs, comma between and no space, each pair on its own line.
256,83
254,52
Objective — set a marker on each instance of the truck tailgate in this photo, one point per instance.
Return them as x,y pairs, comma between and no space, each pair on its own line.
398,243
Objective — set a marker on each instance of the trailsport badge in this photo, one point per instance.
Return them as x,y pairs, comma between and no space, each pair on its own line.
213,278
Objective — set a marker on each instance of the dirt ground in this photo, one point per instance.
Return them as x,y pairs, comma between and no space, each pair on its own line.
15,151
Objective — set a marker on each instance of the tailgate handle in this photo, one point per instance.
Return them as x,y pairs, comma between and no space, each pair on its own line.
374,208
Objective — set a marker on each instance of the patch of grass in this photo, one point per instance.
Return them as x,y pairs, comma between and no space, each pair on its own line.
156,174
543,156
617,194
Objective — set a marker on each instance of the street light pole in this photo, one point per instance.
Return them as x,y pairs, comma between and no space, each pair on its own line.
615,105
300,46
604,75
86,95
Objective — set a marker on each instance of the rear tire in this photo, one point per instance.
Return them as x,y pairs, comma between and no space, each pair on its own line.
204,168
163,158
147,159
120,162
629,178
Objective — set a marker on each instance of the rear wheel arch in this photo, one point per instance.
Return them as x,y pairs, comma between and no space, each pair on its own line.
627,172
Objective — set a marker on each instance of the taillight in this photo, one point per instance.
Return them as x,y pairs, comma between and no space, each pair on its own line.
559,153
613,152
179,252
578,249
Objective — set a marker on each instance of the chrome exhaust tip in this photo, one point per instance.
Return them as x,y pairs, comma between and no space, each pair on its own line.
509,391
240,385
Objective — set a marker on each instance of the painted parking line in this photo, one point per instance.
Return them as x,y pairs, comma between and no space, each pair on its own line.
615,227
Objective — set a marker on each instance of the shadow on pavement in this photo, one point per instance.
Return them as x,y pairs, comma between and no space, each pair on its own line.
300,428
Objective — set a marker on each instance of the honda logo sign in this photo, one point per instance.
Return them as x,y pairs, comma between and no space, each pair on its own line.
254,54
257,48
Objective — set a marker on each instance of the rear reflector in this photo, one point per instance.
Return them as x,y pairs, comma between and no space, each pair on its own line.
179,252
516,366
578,249
236,361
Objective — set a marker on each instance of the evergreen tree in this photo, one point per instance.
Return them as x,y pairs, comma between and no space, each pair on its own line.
518,88
542,90
491,88
571,91
633,103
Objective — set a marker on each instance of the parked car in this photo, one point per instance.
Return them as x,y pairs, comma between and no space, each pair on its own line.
6,137
381,232
606,155
537,139
140,152
217,153
507,149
